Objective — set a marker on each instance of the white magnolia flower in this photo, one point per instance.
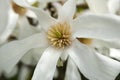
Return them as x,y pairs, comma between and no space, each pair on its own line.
59,40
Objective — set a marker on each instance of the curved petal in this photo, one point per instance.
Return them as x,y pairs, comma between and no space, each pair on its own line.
72,72
114,6
93,65
67,11
12,52
103,27
47,64
98,6
8,20
12,21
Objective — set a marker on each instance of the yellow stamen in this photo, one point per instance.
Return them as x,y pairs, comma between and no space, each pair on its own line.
59,35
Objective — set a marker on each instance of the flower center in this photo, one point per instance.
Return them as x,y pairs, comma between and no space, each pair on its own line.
18,9
59,35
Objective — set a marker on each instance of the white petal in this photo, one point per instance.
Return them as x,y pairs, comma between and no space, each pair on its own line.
114,6
98,6
72,72
115,53
8,21
24,73
47,64
12,73
104,27
25,29
5,7
67,11
94,65
12,52
45,20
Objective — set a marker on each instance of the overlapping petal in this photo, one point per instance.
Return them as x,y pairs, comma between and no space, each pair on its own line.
8,20
93,65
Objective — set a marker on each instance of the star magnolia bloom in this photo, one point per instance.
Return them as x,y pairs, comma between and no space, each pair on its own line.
59,38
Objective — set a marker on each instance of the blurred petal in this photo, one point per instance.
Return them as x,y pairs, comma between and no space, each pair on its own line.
93,65
25,29
72,72
98,6
12,52
24,73
114,6
8,20
103,27
45,20
4,6
47,64
115,53
67,11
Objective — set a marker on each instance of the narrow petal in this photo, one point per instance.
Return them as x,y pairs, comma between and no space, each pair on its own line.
4,6
103,27
98,6
66,12
47,64
72,72
93,65
8,20
45,20
12,52
12,21
114,6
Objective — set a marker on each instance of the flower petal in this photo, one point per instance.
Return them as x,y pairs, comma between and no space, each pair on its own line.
93,65
4,6
98,6
47,64
72,72
67,11
114,6
25,29
12,52
103,27
8,21
115,53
